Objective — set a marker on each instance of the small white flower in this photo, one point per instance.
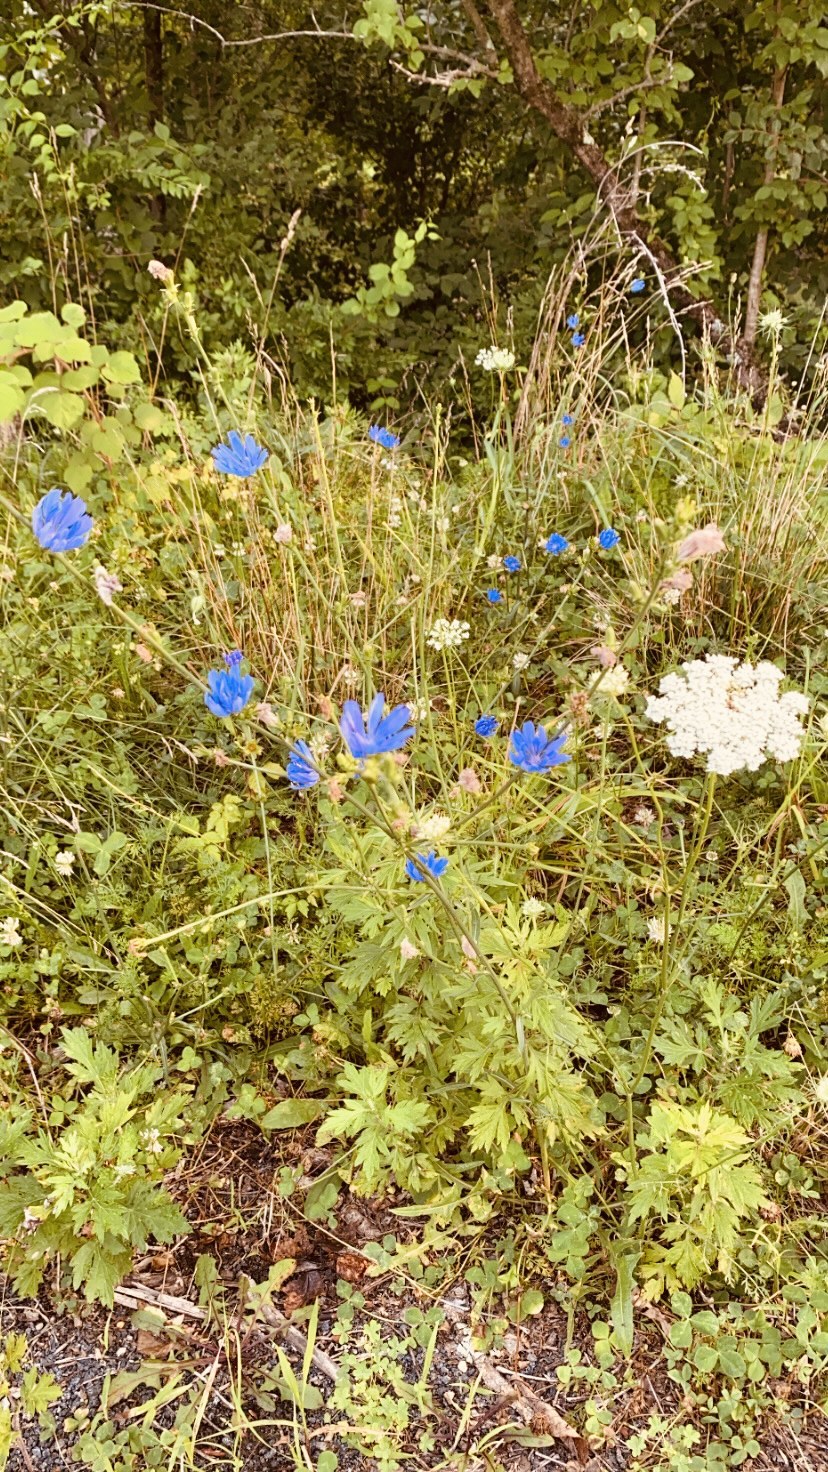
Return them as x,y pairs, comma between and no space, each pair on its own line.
320,746
448,633
64,862
152,1141
219,549
160,272
238,549
533,909
283,534
520,661
107,584
671,596
10,931
656,929
493,562
495,360
408,951
468,781
267,715
418,710
644,816
614,682
432,828
773,322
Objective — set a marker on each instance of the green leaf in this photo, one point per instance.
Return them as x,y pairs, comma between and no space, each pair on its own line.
732,1364
38,1390
705,1358
681,1334
121,368
62,409
621,1308
114,843
291,1113
322,1197
795,885
11,398
675,391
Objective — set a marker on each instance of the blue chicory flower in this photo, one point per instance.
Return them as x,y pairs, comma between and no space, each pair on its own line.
494,595
242,457
374,734
573,321
61,522
532,751
435,867
608,538
511,563
383,437
566,419
229,691
564,442
578,339
301,767
637,285
556,544
486,725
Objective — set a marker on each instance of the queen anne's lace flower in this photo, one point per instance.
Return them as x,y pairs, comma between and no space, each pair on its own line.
495,360
729,712
448,634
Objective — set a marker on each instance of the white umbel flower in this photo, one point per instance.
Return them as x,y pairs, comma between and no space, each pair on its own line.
729,712
495,360
448,633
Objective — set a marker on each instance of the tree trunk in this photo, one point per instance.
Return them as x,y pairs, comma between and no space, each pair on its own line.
154,79
567,124
760,249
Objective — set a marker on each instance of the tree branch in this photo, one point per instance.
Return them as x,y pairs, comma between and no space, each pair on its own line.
568,125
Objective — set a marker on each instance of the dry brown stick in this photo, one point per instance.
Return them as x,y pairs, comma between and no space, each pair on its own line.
131,1295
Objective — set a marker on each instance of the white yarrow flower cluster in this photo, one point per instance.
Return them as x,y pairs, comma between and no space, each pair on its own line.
448,633
495,360
730,712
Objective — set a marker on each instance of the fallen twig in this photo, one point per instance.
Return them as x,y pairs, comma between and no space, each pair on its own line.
132,1295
